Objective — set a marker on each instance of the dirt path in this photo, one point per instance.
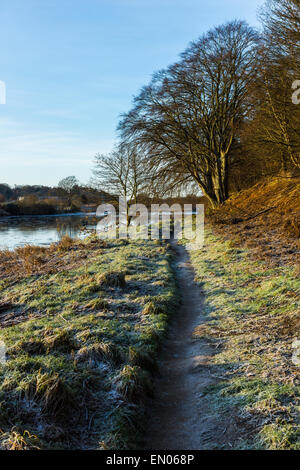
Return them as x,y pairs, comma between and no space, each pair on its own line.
180,416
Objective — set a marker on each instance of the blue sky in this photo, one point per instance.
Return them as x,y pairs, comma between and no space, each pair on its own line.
71,67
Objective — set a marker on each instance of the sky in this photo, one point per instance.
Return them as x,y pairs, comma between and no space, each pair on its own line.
71,67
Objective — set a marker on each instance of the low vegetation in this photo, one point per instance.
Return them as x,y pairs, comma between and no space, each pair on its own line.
82,321
253,320
81,345
276,199
264,218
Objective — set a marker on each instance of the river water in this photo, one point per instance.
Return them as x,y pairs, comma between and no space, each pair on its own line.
42,230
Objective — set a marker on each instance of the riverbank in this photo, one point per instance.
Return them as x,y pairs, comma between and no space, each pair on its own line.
81,322
57,214
253,323
21,209
264,219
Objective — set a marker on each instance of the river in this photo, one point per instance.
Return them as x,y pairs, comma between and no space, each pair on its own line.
42,230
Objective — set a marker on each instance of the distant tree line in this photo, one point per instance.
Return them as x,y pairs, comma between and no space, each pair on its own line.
68,196
219,119
68,188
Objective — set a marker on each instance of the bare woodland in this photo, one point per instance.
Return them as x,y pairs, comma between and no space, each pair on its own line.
220,119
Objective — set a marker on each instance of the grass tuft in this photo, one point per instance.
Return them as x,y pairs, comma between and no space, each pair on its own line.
99,352
56,396
66,343
62,341
17,441
112,279
133,383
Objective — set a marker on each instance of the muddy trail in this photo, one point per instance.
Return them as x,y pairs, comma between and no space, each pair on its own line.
181,415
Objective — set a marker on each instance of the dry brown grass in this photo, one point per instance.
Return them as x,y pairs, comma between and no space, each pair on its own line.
18,441
30,259
280,193
97,352
27,259
112,279
64,244
273,235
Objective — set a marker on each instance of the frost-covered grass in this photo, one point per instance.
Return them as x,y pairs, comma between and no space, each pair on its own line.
81,354
253,318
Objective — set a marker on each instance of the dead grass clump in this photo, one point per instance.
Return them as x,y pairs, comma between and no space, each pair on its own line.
16,441
109,351
150,309
30,347
62,341
65,243
96,352
292,226
133,383
154,308
31,257
84,355
97,304
55,395
288,326
112,279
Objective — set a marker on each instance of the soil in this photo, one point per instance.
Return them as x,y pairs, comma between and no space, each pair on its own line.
181,415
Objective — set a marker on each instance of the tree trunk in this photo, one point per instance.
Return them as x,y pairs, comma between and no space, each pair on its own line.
216,187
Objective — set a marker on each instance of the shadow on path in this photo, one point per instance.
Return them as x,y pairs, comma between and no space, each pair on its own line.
180,415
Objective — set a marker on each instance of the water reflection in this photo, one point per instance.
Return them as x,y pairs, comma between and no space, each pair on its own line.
42,230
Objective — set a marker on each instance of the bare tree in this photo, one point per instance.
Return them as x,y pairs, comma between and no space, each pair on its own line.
69,186
120,172
186,120
281,21
275,127
277,121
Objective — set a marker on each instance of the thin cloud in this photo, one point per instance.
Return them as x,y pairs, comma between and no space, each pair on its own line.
45,152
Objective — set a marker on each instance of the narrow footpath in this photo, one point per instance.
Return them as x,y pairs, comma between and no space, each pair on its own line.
180,414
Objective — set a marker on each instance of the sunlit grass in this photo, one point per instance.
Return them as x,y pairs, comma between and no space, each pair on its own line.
253,315
88,349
